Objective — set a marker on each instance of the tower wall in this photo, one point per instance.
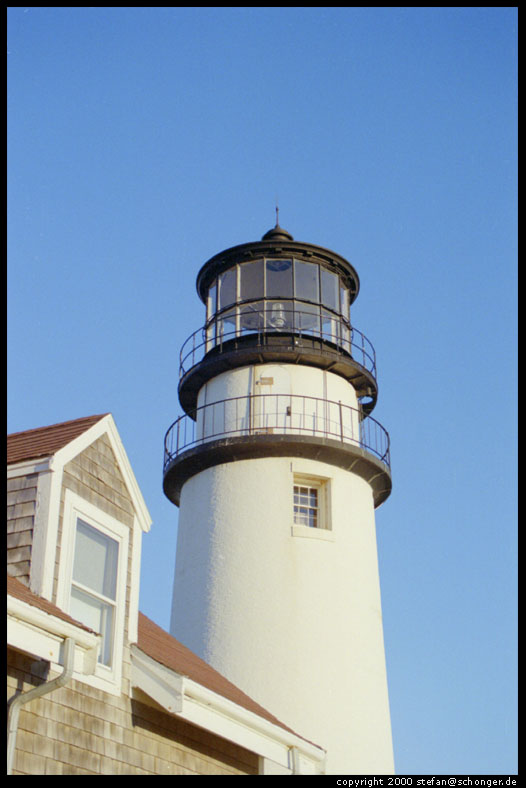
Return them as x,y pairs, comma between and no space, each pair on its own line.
278,398
290,614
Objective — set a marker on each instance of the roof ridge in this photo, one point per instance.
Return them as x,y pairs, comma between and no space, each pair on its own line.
97,417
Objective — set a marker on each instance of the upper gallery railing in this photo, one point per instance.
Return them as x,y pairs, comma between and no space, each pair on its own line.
229,327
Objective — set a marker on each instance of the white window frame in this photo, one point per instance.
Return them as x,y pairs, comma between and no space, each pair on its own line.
323,530
105,677
315,510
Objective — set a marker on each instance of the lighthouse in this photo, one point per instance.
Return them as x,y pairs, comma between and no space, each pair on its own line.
277,466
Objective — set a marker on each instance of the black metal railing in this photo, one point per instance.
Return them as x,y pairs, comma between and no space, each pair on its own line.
217,333
280,414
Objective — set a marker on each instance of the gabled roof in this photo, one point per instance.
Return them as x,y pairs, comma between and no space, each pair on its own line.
59,443
164,648
44,441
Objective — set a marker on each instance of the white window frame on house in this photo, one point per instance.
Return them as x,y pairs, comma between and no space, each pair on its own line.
322,514
107,677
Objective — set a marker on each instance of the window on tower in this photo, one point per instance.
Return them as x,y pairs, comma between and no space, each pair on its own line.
306,506
311,505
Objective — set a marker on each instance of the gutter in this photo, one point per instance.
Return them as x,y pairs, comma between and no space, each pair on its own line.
37,692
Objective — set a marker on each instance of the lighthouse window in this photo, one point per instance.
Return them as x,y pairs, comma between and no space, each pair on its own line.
226,327
306,506
307,318
251,316
329,290
212,300
344,301
279,314
306,281
251,286
329,326
227,288
279,278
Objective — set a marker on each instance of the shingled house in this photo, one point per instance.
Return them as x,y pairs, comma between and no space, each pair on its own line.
94,686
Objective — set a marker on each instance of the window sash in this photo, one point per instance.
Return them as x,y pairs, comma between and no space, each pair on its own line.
94,579
96,614
306,506
96,560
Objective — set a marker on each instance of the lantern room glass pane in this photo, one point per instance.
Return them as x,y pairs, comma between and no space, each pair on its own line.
227,288
306,281
279,315
226,325
329,326
211,300
330,295
251,316
344,301
279,278
345,338
251,280
307,318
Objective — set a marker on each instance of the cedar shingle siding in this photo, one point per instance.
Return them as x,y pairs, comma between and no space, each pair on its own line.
21,506
94,475
82,730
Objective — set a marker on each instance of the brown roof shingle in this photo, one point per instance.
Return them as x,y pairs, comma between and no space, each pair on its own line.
20,591
43,441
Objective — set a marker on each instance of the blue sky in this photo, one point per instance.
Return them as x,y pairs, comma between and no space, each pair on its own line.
141,141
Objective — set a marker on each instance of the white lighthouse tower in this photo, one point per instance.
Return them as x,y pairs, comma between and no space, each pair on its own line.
277,467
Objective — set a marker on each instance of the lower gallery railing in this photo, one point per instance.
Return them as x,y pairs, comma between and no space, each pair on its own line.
280,414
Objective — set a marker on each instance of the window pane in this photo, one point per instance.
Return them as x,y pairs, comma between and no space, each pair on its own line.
330,326
279,279
226,326
96,615
210,336
306,281
279,314
95,564
345,338
344,301
212,300
307,318
251,280
329,290
227,288
306,506
251,316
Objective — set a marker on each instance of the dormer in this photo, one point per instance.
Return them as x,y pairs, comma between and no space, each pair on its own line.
75,521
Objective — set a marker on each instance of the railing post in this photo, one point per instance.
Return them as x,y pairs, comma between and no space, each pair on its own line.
341,419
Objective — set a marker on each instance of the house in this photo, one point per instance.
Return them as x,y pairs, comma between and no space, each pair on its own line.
94,686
